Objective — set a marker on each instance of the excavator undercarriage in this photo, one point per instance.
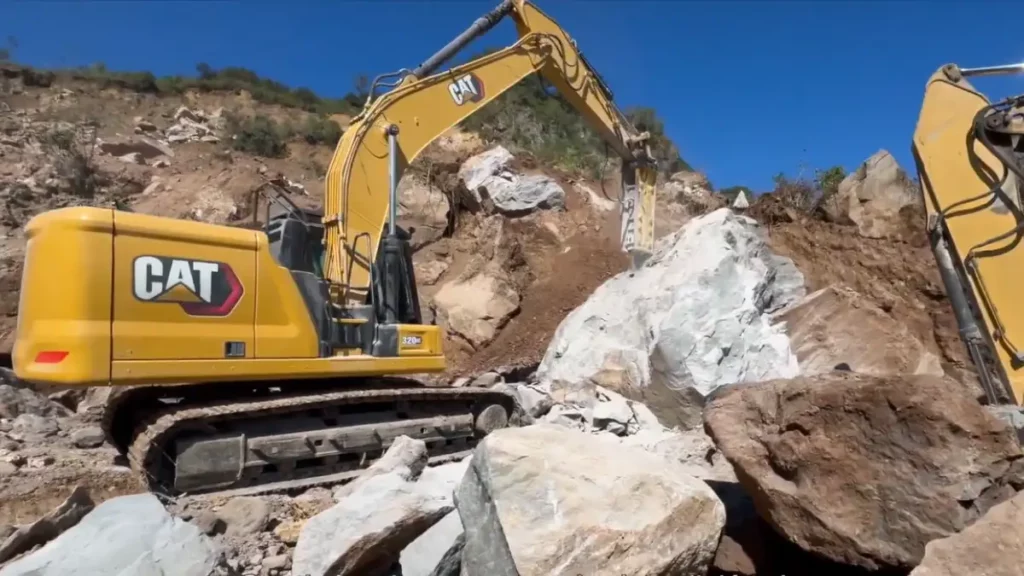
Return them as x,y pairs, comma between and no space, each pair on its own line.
251,438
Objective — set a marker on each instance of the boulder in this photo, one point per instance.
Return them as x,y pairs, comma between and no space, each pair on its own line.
872,197
489,178
865,470
694,317
244,516
836,325
989,547
125,535
67,514
426,553
545,500
423,208
366,531
475,308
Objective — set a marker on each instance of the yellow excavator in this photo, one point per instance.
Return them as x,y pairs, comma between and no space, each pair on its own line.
254,361
968,152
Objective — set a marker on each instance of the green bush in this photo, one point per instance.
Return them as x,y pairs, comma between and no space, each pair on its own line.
207,79
320,130
258,135
534,117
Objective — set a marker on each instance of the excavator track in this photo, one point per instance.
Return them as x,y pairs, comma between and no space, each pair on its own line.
215,441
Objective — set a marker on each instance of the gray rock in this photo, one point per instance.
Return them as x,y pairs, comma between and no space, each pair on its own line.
33,428
406,457
88,437
69,513
278,562
245,515
543,500
702,304
423,556
488,177
127,536
487,380
535,402
16,400
613,414
209,523
451,563
366,531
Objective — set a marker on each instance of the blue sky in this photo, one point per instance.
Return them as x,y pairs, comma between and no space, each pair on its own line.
746,89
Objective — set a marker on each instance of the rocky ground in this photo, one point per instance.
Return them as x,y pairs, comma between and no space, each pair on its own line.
776,392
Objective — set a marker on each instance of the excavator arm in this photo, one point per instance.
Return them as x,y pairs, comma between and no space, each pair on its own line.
969,157
395,128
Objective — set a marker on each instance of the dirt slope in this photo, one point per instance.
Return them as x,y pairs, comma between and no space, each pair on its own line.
897,274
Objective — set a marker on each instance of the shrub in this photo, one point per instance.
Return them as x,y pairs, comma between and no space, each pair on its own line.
258,135
321,130
72,162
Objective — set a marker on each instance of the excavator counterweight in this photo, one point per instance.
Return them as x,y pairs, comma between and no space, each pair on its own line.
250,361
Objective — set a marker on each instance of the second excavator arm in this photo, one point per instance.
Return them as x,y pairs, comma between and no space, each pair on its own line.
395,128
970,161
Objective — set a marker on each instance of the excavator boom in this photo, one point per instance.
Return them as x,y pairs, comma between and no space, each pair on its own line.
969,154
396,127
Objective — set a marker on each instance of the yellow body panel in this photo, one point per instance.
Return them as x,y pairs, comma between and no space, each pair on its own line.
357,183
163,330
83,295
950,175
65,300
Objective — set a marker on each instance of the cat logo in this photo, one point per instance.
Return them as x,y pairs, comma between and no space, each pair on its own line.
467,88
200,288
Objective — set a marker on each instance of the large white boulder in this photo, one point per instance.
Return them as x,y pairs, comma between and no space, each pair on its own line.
696,316
546,501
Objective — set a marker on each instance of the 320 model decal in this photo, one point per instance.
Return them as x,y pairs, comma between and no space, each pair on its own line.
200,288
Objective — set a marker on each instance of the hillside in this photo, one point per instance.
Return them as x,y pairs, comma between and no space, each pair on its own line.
200,148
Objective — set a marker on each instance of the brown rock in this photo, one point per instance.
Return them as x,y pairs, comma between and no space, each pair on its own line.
865,470
69,513
837,325
992,546
244,515
871,198
476,308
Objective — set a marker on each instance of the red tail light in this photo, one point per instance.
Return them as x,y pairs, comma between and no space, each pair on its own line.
51,356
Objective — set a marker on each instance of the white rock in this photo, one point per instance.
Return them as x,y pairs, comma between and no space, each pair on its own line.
488,174
381,517
127,536
422,556
699,309
543,500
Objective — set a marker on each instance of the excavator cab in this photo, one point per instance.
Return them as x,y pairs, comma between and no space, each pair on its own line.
296,241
